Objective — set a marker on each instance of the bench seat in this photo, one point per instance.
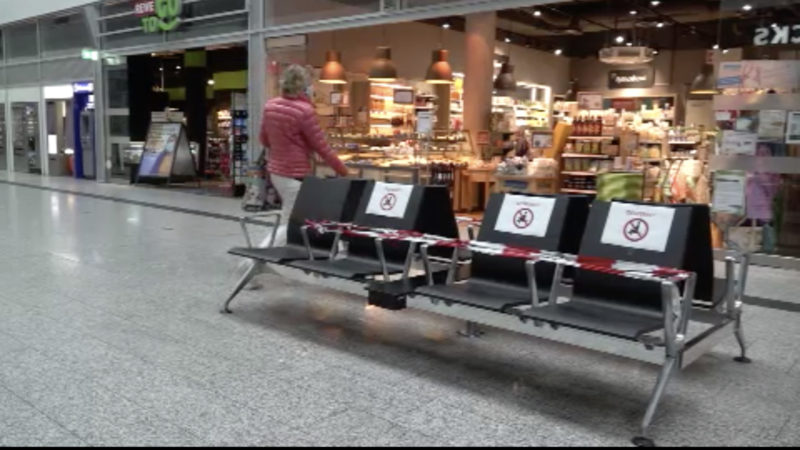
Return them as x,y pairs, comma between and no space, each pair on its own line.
278,255
350,268
484,294
589,315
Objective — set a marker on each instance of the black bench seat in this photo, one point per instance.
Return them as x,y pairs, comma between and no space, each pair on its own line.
587,315
278,255
484,294
350,268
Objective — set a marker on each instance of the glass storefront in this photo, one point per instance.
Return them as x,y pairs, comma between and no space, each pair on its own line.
25,137
3,152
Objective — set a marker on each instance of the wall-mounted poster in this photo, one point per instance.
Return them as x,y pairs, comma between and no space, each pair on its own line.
771,123
590,100
793,127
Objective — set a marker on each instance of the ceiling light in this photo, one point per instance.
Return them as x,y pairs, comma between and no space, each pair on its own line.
557,51
177,67
333,70
660,24
629,44
440,71
715,47
620,39
537,13
747,7
655,52
446,26
633,12
774,25
725,50
383,69
655,3
508,40
211,82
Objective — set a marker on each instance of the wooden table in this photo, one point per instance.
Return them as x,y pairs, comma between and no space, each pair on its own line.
473,177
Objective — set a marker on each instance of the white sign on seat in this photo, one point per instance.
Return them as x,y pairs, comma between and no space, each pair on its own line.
389,200
638,226
524,215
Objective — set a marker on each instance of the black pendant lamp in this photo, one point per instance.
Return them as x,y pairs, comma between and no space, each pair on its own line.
572,92
505,80
333,70
704,83
440,71
383,69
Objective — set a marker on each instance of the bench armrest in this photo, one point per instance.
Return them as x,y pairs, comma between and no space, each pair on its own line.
244,220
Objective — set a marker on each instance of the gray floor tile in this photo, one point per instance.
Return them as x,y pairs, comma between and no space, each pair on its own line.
110,335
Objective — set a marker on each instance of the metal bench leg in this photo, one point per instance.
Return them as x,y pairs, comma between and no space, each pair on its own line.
739,333
256,268
663,378
471,330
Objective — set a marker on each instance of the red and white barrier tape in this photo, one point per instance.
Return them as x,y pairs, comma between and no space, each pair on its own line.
595,264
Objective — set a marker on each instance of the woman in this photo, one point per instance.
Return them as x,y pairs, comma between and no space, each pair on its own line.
291,132
289,129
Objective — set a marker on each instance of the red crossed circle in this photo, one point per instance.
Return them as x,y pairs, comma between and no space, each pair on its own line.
388,202
636,229
523,218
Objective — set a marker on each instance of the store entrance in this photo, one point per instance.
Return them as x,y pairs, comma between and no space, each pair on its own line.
59,136
207,87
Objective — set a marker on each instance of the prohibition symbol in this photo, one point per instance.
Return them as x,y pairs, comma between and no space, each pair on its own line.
523,218
388,201
636,230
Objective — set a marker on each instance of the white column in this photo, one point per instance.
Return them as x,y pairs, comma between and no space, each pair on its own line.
257,76
478,75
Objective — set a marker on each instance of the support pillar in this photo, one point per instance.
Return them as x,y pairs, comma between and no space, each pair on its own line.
257,78
479,49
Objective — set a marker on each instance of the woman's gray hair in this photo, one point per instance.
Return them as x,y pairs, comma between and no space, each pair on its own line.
294,80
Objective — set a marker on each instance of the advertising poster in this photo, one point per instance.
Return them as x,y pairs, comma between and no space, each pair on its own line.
729,192
793,127
159,150
771,124
729,75
738,143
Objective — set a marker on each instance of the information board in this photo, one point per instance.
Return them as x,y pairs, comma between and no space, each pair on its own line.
525,215
389,200
638,226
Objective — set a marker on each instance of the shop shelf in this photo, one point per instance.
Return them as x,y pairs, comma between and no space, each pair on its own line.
578,191
592,138
579,173
585,155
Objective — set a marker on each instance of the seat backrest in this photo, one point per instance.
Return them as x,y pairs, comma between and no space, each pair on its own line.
333,199
544,222
426,209
643,233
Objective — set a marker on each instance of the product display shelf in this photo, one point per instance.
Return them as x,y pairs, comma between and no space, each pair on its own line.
586,155
578,191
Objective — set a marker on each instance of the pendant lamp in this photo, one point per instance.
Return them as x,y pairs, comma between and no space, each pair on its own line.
333,70
383,69
572,93
440,71
505,80
704,83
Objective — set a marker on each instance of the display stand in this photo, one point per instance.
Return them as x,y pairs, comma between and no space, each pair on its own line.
166,158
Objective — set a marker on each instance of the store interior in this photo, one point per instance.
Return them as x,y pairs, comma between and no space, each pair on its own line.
207,88
607,99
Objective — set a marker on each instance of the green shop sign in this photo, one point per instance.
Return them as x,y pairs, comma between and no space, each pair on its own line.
159,15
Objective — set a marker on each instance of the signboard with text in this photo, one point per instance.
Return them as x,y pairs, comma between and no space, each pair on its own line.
524,215
638,226
158,15
390,200
630,78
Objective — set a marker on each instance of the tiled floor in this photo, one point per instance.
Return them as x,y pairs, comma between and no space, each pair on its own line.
110,335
